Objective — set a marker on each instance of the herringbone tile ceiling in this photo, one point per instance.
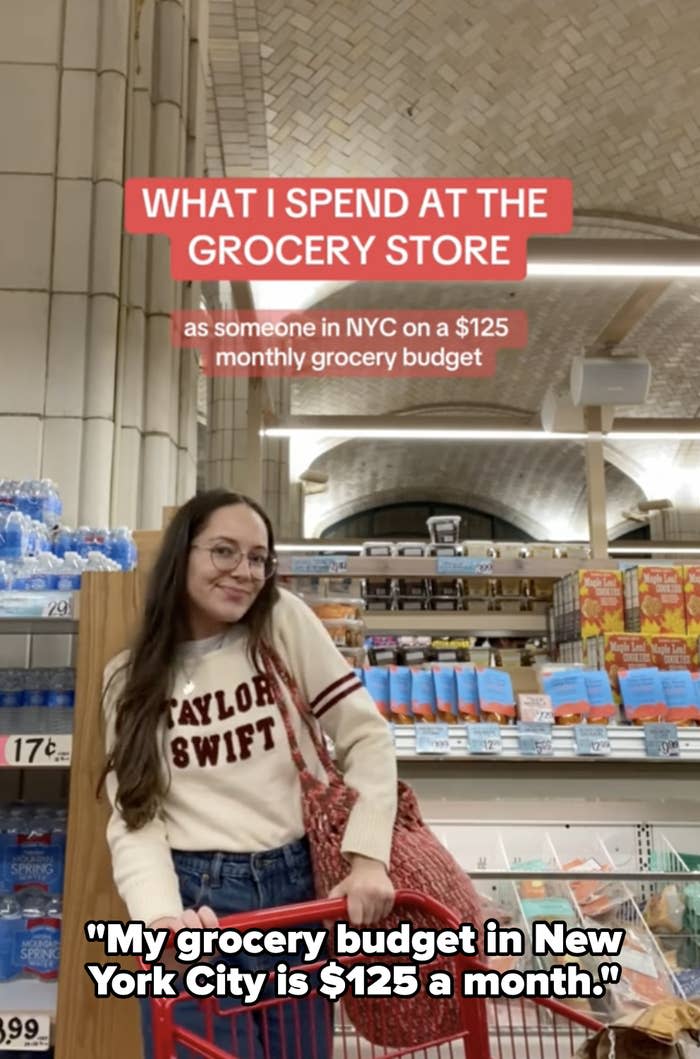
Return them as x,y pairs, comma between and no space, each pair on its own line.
606,92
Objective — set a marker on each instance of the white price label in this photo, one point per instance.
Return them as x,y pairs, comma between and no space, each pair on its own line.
661,740
37,751
535,709
484,738
24,1033
591,740
535,740
432,739
58,607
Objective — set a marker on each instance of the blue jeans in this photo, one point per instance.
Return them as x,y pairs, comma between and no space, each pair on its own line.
232,883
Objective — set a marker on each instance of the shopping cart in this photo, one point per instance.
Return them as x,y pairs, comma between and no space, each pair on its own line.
487,1029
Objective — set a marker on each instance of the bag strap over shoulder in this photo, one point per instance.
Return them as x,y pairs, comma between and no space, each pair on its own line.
280,677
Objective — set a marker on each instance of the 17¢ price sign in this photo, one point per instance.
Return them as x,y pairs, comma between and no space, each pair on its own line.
38,751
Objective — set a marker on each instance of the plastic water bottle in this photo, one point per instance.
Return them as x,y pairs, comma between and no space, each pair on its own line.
8,494
55,501
11,923
16,538
98,561
122,548
35,941
11,700
42,573
60,701
19,576
58,847
69,573
64,542
17,824
5,575
36,693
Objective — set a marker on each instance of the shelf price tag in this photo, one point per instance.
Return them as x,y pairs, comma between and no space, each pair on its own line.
535,740
661,740
484,738
57,607
535,709
591,740
319,564
24,1033
37,751
457,565
432,738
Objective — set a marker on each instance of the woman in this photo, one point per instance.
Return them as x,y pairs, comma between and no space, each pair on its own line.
206,800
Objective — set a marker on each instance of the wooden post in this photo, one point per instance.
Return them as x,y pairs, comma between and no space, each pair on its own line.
86,1027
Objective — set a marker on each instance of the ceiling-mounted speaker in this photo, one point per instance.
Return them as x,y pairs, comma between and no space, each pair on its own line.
558,414
609,380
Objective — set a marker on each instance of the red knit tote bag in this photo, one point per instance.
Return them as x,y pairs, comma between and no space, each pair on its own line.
419,862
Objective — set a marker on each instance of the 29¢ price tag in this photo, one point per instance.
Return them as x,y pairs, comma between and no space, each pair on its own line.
37,751
661,740
25,1033
58,607
432,738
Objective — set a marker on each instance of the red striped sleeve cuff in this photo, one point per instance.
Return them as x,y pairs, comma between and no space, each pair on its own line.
334,693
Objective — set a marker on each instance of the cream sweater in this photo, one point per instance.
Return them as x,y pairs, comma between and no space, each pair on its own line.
233,785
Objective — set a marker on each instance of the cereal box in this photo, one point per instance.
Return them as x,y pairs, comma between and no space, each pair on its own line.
691,585
600,601
655,600
675,652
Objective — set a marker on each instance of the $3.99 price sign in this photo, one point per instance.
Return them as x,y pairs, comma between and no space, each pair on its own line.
358,980
24,1033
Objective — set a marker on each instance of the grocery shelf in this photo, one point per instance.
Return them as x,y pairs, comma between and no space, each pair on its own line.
435,622
390,566
38,613
28,1012
38,626
627,744
28,996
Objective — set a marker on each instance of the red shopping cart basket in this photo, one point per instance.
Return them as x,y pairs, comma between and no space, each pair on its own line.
309,1028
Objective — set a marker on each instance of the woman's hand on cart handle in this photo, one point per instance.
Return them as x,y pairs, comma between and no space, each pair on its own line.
368,889
191,919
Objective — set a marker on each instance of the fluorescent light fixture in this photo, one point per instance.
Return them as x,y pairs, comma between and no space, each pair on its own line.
653,435
356,549
583,270
456,434
413,434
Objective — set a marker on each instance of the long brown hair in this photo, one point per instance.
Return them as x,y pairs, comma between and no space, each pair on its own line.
135,756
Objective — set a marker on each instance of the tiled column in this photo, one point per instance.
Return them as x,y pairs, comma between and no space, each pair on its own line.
91,393
228,457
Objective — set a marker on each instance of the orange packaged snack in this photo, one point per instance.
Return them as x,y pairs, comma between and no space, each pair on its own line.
675,652
691,587
655,600
624,651
600,601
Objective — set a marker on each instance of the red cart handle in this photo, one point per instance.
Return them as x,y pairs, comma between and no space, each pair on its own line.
334,908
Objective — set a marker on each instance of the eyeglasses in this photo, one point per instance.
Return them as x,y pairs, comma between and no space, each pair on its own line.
225,558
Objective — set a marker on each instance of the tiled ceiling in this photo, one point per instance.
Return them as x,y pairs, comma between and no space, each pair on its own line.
606,92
